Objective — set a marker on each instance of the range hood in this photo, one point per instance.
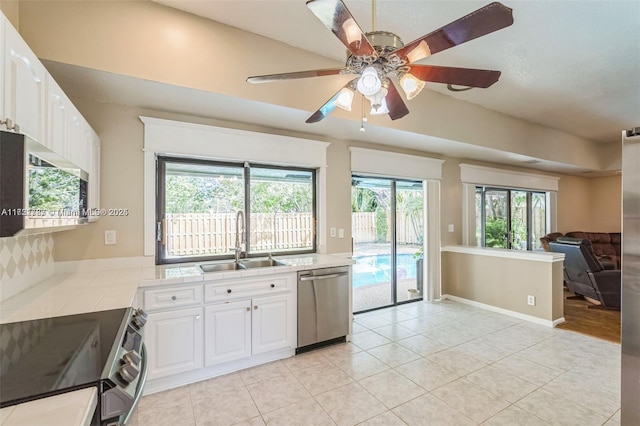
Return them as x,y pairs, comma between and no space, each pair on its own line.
39,190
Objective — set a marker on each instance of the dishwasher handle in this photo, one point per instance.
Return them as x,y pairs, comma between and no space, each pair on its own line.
321,277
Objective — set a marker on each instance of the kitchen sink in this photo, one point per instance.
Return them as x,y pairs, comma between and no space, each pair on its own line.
261,263
219,267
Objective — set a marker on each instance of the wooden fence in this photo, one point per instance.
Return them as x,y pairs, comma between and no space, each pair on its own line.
408,228
193,234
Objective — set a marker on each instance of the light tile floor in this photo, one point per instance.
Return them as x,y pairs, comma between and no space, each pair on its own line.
440,363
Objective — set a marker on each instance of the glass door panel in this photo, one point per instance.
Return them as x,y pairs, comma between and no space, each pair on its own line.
518,228
371,200
496,202
409,241
538,219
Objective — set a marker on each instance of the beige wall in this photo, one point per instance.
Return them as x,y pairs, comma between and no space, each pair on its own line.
121,133
590,204
10,10
505,283
150,41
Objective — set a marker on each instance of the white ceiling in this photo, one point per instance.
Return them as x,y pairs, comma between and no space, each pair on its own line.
569,65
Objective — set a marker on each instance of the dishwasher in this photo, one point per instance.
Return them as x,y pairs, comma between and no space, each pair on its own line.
323,307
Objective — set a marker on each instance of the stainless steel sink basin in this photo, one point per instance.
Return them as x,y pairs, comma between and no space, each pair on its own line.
219,267
261,263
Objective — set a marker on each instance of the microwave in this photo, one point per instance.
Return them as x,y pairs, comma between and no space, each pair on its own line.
40,191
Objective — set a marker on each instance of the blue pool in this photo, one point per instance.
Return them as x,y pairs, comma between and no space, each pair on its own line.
376,268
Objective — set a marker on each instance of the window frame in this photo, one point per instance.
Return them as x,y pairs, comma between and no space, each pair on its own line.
160,252
482,189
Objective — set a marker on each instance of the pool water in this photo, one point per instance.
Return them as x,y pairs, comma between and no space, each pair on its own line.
376,268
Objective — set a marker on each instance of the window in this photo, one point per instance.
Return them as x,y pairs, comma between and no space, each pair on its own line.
199,201
510,218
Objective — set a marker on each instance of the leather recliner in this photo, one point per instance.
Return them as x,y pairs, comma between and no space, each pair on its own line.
585,275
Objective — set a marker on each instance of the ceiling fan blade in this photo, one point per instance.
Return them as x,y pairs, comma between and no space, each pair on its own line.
458,76
335,16
488,19
293,75
395,104
328,107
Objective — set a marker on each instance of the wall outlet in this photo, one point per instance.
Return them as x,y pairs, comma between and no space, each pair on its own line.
451,228
531,300
109,237
332,232
341,233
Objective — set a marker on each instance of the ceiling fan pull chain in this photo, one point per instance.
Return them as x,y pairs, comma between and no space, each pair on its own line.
364,119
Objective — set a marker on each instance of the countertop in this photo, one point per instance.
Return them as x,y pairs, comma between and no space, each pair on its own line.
69,294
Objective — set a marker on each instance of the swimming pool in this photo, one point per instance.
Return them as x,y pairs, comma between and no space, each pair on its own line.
376,268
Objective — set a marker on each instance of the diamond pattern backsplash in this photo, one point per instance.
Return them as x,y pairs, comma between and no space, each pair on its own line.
17,338
23,258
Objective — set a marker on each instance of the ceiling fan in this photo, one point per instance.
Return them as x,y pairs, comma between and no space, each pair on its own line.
377,57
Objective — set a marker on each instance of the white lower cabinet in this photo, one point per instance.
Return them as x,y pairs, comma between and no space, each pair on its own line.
227,332
195,331
237,330
271,324
174,341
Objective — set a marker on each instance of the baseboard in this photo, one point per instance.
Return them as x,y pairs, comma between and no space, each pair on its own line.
514,314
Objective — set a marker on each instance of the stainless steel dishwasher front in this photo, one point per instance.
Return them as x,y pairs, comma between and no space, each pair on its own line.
323,307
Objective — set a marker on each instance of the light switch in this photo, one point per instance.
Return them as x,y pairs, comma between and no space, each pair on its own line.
332,232
341,233
109,237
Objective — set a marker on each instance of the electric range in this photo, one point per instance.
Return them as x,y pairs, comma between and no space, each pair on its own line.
105,349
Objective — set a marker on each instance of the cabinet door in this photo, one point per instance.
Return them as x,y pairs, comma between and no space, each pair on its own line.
57,123
174,342
227,332
24,86
94,176
272,323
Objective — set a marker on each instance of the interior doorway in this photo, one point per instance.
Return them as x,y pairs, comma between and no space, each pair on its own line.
388,237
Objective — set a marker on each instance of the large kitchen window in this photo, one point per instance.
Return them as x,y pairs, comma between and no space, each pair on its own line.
202,205
510,218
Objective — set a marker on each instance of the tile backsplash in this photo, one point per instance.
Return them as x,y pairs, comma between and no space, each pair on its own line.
24,261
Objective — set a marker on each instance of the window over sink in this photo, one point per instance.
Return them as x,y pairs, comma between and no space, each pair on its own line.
199,201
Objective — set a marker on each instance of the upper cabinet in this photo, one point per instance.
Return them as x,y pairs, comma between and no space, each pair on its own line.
24,86
32,103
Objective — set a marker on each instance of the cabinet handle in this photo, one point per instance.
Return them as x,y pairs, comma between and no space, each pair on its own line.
248,309
198,316
174,298
255,306
273,285
229,290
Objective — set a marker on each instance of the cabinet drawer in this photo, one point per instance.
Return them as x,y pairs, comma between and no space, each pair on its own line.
172,297
246,288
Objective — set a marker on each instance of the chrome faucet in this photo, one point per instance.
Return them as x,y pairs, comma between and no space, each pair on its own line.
238,248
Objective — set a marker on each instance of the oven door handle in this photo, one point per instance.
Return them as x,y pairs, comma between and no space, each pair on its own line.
141,383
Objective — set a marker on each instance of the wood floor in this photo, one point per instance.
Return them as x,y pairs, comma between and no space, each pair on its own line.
601,323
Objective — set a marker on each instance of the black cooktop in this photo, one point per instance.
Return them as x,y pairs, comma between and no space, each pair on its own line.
45,357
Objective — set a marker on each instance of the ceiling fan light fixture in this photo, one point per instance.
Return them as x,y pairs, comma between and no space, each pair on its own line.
369,82
411,85
378,102
344,99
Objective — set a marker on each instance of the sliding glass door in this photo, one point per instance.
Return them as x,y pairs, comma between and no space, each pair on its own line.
387,230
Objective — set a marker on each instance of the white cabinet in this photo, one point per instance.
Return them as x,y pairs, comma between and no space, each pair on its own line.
94,175
174,341
240,329
194,332
31,98
227,331
24,85
272,324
